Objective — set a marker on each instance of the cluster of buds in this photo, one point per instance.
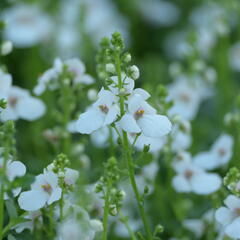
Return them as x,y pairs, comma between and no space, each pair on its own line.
107,183
106,59
232,181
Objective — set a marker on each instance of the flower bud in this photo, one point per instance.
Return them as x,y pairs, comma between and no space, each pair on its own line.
6,48
134,72
110,68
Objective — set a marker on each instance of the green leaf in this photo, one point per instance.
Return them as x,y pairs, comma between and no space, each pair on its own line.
11,237
12,211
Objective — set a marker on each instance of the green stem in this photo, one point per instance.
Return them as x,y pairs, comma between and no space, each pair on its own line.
2,185
126,224
128,153
140,204
105,214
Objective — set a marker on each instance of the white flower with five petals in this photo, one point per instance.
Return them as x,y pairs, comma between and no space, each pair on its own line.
22,105
45,190
192,178
229,216
103,112
141,117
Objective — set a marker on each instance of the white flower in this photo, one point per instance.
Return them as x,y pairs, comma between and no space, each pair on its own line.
50,77
219,154
192,178
160,13
186,98
26,25
71,176
195,225
13,169
44,190
22,105
6,47
229,216
141,117
103,112
5,84
78,69
32,217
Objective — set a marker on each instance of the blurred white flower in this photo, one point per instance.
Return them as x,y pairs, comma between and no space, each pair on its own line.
187,95
20,104
229,216
219,154
44,190
13,169
27,25
6,47
33,217
234,57
78,225
103,112
195,225
141,117
162,13
50,78
192,178
5,84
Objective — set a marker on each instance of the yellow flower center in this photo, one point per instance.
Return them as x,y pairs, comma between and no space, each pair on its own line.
139,113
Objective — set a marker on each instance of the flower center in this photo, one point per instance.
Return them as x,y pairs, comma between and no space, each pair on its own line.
237,211
139,113
185,98
222,152
12,101
104,108
188,174
47,188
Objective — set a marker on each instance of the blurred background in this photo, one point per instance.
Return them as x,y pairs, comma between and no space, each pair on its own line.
166,38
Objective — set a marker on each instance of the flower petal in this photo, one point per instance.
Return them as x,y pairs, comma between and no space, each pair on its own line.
205,160
129,124
15,169
30,108
90,121
154,125
55,196
112,114
32,200
205,183
233,230
224,216
181,184
232,202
